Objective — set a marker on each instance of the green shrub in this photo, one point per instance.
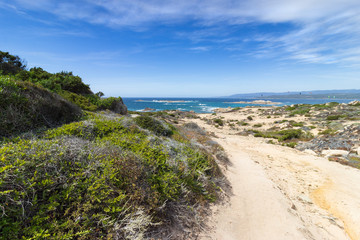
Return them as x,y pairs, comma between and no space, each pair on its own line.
289,134
101,178
290,144
250,118
153,125
296,124
219,121
290,108
333,117
10,64
282,135
25,107
81,101
328,132
298,109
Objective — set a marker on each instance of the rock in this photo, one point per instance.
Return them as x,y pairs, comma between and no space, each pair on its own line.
305,199
148,109
285,125
311,152
336,126
358,151
222,110
330,152
354,103
118,106
305,128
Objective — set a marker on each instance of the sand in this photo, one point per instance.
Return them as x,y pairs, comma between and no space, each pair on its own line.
282,193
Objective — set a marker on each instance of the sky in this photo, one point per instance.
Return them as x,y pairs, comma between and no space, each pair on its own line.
189,48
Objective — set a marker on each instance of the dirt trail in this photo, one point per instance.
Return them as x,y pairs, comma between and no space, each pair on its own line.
281,193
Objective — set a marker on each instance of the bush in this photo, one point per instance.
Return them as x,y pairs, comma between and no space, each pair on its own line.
112,104
289,134
219,121
81,101
100,178
25,107
299,109
290,144
296,124
10,64
153,125
333,117
327,132
282,135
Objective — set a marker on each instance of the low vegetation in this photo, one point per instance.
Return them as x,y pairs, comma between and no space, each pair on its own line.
219,121
104,177
25,106
66,84
282,135
72,174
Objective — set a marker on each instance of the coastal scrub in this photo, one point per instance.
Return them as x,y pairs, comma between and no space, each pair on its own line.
103,177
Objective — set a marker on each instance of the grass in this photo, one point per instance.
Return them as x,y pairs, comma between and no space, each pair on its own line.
104,177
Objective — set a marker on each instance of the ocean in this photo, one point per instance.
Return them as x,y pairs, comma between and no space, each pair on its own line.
207,105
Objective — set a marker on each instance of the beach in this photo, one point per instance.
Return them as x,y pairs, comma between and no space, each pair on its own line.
279,192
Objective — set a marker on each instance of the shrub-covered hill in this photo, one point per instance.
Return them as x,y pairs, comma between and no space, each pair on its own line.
107,177
66,84
25,106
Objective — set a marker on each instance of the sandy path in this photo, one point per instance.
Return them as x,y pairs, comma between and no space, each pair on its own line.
281,193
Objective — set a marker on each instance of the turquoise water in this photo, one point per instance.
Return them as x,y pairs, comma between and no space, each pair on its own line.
207,105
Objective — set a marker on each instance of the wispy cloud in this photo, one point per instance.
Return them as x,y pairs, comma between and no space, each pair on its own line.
200,49
335,39
137,12
324,31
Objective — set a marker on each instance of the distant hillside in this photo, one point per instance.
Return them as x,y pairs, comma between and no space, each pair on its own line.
316,94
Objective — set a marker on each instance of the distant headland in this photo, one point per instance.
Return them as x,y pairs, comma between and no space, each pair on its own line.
262,102
313,94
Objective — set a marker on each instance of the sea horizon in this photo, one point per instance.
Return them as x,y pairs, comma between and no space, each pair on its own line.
208,105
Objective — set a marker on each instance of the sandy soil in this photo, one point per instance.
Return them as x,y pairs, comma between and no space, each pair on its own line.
282,193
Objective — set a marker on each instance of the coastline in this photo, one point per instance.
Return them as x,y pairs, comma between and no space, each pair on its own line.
207,105
256,102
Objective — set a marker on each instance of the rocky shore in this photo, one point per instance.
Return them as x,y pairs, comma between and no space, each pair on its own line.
331,130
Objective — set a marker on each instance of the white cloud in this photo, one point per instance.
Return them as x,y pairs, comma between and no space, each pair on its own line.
200,49
326,31
135,12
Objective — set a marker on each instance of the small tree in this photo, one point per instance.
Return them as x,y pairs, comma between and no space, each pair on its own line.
10,64
99,94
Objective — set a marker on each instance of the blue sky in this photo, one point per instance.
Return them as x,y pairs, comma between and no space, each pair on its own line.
189,48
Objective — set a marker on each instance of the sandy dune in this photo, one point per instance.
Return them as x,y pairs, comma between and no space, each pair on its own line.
281,193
